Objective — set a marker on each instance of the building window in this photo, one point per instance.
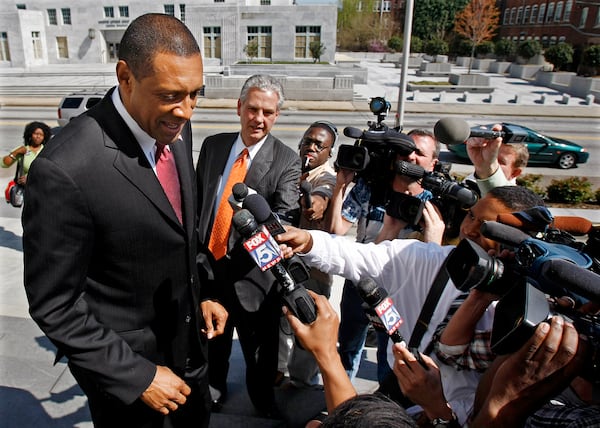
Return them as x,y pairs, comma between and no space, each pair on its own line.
182,13
534,11
542,13
124,11
559,11
219,1
66,15
513,12
505,17
4,50
263,36
52,17
21,6
584,14
304,36
562,39
545,41
265,2
212,42
550,13
37,44
62,47
519,15
597,23
553,40
169,9
526,12
568,8
109,12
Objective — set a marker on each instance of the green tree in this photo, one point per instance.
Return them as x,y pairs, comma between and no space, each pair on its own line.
591,56
316,49
395,43
529,48
435,18
251,50
559,55
435,47
485,48
358,25
505,49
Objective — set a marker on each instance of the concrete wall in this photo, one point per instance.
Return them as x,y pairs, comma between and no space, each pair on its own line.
359,74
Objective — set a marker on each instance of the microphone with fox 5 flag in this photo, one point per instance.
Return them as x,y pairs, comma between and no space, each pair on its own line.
380,309
261,211
239,192
265,252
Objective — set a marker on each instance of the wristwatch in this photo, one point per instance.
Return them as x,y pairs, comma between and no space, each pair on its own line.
13,157
444,423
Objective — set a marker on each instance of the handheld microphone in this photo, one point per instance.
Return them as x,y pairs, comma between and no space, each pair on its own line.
260,209
266,254
452,130
572,277
380,309
305,189
570,224
239,192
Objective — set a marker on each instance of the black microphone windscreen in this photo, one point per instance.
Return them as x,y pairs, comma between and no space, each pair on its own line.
258,206
239,191
503,233
578,279
370,292
306,189
244,222
409,169
351,132
452,130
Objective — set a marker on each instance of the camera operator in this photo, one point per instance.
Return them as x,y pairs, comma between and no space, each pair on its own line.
406,268
356,209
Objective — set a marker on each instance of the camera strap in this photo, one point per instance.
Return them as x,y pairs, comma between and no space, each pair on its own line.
433,297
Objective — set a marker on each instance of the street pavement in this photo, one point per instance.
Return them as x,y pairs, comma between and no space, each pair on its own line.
36,393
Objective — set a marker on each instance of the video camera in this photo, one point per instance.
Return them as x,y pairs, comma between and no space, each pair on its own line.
374,151
539,269
449,196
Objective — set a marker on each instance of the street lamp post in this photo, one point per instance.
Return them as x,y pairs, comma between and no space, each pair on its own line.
408,15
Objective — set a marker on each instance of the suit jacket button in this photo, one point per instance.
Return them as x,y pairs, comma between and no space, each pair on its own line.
188,318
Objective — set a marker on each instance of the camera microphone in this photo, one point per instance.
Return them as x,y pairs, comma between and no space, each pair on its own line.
352,132
305,189
380,309
573,277
503,233
409,169
260,209
452,130
570,224
266,254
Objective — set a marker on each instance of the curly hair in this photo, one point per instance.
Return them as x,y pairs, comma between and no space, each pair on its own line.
30,128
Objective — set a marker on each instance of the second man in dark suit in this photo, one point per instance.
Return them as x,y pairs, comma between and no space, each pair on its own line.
250,295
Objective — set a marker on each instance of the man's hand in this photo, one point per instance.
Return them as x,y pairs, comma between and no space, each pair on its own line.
344,177
433,224
317,209
294,241
484,154
215,317
422,385
166,392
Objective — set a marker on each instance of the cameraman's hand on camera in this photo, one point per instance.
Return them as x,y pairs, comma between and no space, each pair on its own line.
433,224
317,209
484,154
320,339
391,228
423,386
293,241
518,384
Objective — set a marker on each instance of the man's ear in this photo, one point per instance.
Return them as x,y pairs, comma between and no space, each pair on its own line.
515,173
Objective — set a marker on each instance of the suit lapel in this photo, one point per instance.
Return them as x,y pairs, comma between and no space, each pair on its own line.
260,164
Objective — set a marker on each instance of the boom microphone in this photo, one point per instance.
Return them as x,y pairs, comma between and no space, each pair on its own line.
305,189
266,254
260,209
503,233
452,130
353,133
570,224
573,277
381,310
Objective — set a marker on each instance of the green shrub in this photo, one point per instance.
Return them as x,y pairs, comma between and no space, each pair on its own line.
395,43
573,190
505,49
462,47
484,48
529,48
416,44
597,195
436,47
532,182
591,56
559,55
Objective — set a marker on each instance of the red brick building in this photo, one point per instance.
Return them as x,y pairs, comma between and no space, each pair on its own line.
576,22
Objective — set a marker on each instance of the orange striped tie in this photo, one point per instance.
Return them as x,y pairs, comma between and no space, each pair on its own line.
222,225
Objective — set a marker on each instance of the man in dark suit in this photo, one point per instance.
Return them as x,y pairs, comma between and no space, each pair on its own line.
110,268
250,295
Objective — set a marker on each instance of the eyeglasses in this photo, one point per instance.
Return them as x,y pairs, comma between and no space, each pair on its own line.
307,142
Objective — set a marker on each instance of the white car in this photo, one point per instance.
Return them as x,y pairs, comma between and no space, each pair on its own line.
76,103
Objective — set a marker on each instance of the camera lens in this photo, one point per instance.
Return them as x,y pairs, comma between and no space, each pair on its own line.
378,105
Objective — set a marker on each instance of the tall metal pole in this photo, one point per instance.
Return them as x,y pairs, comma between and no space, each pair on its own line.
408,15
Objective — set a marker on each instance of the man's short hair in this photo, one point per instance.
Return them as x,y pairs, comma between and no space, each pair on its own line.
521,154
151,34
425,133
326,125
263,82
368,411
516,198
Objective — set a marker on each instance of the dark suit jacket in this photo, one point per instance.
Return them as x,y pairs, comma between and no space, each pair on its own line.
110,273
274,174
